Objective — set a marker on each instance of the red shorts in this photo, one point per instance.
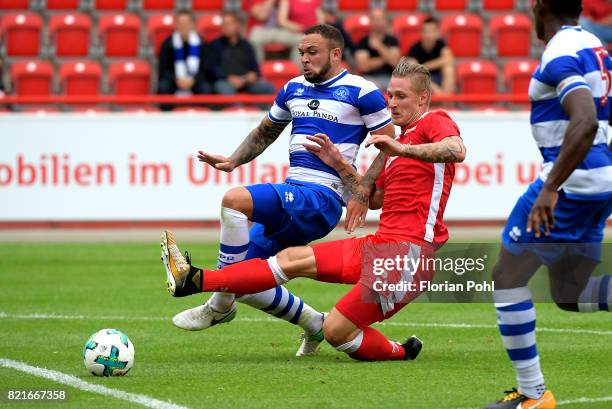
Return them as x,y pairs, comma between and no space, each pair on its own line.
340,261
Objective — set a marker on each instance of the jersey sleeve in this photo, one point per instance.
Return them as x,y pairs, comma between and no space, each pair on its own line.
279,111
373,108
441,126
563,72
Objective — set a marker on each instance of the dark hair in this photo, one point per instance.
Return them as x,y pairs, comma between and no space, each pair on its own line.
236,15
185,12
330,33
565,8
431,20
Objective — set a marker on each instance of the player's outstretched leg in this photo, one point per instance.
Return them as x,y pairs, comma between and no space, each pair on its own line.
597,295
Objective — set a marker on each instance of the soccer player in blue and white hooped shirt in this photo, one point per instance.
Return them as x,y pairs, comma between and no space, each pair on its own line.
326,99
559,221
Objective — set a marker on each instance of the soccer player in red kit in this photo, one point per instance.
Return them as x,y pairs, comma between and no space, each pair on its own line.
411,179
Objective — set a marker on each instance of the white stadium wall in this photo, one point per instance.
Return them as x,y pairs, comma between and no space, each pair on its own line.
127,167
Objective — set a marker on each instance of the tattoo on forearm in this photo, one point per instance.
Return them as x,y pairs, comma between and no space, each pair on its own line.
350,177
446,151
374,170
257,141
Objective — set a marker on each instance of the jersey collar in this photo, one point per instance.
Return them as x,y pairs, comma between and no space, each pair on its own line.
331,80
407,127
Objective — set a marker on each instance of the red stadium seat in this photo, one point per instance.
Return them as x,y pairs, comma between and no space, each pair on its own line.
357,26
80,78
499,5
20,33
14,4
450,5
69,33
353,5
107,5
477,77
407,29
464,34
207,5
511,33
278,72
158,5
130,78
158,29
402,5
62,4
120,34
517,75
209,26
32,77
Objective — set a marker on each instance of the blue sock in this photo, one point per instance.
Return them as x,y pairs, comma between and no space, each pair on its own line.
516,318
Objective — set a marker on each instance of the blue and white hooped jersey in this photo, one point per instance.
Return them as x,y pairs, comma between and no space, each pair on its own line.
573,59
345,108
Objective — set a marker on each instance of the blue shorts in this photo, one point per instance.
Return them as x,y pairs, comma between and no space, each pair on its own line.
290,214
579,227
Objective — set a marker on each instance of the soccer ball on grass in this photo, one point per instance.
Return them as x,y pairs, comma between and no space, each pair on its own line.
108,352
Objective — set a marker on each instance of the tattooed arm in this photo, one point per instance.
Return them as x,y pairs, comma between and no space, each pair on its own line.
448,150
253,145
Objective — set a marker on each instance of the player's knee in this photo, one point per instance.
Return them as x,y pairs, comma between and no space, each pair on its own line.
238,199
295,262
333,333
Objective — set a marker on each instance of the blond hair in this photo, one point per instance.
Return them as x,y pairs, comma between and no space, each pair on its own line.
419,73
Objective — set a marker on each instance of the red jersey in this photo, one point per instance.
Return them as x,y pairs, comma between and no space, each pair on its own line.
416,192
304,12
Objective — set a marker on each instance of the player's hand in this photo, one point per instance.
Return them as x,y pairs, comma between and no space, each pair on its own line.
217,161
325,150
386,144
541,213
356,210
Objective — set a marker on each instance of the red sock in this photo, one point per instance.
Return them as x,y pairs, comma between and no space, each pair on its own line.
247,277
376,347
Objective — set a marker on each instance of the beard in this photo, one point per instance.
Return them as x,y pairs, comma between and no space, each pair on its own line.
319,77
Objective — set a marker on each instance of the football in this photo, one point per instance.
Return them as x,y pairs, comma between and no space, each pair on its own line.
108,352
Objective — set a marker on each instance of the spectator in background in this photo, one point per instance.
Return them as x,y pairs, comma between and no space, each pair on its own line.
329,17
432,52
377,54
597,19
182,61
233,64
292,18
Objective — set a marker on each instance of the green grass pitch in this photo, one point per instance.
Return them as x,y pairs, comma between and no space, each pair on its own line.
250,362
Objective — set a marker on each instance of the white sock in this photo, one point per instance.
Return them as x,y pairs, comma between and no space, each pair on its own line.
516,318
351,346
597,295
234,244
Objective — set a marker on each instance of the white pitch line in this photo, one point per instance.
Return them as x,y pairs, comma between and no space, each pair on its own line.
47,316
77,383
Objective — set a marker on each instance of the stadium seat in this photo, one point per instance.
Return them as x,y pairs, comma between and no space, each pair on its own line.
464,34
499,5
450,5
402,5
209,26
158,29
158,5
110,5
120,34
407,29
357,26
207,5
69,33
80,78
62,4
129,78
32,77
353,5
477,77
517,75
20,33
278,72
511,33
14,4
